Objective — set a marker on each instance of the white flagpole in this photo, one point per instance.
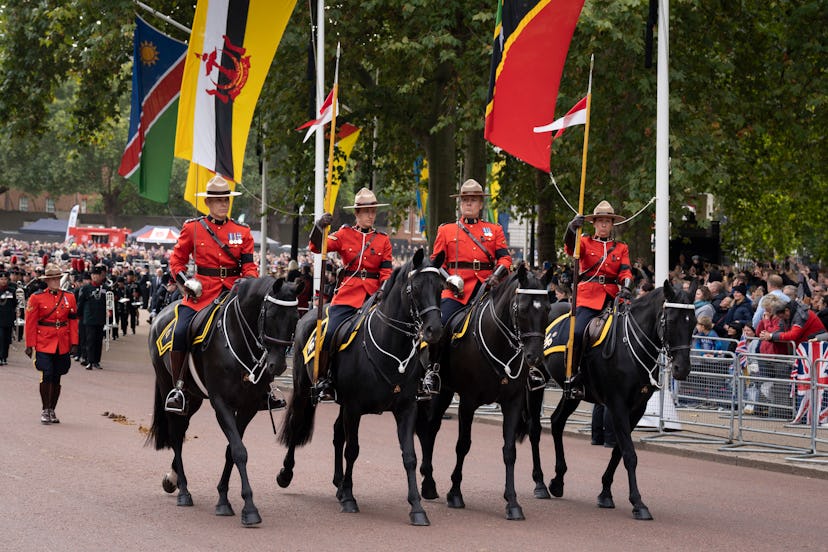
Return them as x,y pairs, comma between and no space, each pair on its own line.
263,265
662,222
319,172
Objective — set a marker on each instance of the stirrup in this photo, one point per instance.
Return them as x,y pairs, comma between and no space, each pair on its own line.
275,398
536,379
574,388
430,384
175,401
323,391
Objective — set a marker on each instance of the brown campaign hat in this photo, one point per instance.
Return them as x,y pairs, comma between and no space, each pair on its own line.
603,210
471,187
218,187
365,198
52,271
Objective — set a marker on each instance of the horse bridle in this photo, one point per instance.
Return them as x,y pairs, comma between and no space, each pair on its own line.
410,329
259,340
665,350
514,338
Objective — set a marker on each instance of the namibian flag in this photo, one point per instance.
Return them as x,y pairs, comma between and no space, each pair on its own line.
531,40
231,47
158,65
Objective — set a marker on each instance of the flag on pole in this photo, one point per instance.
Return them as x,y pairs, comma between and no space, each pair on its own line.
346,139
157,68
325,116
531,41
575,116
231,48
72,222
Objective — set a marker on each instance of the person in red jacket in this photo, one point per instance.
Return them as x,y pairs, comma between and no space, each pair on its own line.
476,253
222,251
52,335
366,263
797,323
603,273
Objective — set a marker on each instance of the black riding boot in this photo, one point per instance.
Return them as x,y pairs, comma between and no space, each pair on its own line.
574,388
323,390
175,401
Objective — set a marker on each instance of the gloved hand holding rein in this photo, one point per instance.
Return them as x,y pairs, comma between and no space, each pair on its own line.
496,276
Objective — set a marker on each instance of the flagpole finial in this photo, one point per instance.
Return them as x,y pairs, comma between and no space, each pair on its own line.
591,65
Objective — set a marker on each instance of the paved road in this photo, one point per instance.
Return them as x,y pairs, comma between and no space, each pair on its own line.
90,484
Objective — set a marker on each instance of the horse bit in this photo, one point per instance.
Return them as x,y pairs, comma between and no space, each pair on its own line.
515,338
410,329
259,340
664,351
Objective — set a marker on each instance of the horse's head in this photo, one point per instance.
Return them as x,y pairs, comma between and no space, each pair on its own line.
678,321
421,289
528,302
275,303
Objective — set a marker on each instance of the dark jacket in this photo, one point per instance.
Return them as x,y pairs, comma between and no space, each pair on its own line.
92,305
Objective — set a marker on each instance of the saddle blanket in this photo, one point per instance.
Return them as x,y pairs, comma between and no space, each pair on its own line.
557,334
355,322
164,341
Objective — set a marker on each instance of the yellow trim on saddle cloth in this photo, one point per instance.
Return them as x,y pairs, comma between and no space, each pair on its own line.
165,339
548,349
308,350
604,331
465,327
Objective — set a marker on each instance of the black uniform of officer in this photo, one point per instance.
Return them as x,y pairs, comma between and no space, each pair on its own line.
92,308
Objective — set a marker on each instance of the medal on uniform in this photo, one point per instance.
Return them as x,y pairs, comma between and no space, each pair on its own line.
487,231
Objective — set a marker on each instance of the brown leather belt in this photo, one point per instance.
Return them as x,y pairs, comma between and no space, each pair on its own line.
221,272
52,324
361,274
601,279
476,265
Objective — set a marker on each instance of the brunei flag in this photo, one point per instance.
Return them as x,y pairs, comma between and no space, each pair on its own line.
231,47
157,68
531,40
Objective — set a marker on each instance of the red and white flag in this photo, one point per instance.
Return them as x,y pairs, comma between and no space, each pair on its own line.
325,116
575,116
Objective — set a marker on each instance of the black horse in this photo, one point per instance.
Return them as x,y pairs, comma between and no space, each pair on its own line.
486,361
378,372
620,372
234,365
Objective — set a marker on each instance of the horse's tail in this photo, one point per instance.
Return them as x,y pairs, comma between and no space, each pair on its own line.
159,432
297,427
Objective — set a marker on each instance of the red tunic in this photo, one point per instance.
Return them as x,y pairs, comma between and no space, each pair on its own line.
460,248
614,269
348,241
58,313
196,241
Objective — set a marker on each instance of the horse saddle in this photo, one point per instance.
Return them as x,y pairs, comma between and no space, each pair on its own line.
557,333
342,337
458,323
200,330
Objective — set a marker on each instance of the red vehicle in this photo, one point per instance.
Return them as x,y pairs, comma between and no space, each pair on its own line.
111,237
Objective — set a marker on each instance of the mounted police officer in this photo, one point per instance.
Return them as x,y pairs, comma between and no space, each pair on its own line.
51,335
92,312
604,272
476,254
366,263
222,251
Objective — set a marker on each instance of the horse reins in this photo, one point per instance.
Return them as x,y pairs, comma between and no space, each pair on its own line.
515,339
664,350
410,329
258,340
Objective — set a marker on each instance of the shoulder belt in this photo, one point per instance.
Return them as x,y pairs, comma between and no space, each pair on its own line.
480,245
196,219
364,248
216,239
599,261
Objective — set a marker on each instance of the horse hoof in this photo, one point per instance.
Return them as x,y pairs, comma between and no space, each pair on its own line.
642,513
514,513
224,510
349,506
284,478
429,490
185,499
541,492
168,485
455,500
420,519
556,488
251,518
605,501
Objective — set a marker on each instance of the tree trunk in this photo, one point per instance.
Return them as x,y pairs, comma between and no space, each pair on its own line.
442,154
474,157
545,225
